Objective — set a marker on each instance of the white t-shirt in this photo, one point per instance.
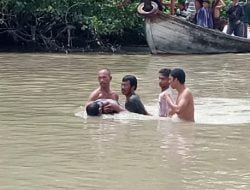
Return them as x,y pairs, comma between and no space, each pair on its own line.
164,108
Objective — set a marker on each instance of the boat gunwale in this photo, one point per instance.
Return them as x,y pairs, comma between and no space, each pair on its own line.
203,29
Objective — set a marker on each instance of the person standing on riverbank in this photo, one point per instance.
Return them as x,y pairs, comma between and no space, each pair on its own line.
133,102
204,15
184,106
246,17
164,108
217,6
235,14
103,91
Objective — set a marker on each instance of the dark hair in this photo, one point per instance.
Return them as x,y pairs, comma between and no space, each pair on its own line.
165,72
207,1
179,74
132,79
93,109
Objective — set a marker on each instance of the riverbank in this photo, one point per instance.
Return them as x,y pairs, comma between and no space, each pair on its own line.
112,49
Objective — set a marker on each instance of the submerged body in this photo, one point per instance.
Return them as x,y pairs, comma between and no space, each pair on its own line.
103,106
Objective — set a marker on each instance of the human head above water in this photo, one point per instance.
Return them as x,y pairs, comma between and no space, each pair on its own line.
94,109
106,70
165,72
132,80
104,77
178,74
164,78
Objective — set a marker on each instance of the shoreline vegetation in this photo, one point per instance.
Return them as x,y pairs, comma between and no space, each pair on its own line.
70,26
138,49
73,26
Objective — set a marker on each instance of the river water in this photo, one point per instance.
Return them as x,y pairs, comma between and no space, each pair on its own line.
47,142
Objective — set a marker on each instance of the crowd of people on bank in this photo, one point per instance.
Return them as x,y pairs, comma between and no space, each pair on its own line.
207,13
104,100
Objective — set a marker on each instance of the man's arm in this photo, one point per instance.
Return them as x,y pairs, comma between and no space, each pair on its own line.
178,108
116,96
92,97
113,107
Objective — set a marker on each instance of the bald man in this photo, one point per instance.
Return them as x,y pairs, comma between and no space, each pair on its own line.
103,91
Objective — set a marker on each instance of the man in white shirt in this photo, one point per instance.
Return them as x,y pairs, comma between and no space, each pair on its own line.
164,108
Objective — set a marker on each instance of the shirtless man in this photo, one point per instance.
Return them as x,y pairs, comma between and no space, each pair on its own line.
184,106
103,91
133,102
164,108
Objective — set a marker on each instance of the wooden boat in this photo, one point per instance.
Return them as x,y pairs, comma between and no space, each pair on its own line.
169,34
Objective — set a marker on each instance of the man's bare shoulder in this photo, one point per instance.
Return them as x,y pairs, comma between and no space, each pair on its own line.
185,97
188,97
187,92
115,95
94,95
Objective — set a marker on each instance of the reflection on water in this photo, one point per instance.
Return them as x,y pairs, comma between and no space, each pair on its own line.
44,145
222,111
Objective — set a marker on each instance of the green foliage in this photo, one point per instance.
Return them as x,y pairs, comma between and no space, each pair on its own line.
223,12
62,21
227,2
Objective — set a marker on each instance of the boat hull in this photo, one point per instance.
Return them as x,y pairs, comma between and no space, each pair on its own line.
168,34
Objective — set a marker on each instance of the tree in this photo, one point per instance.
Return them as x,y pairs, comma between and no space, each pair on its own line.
62,24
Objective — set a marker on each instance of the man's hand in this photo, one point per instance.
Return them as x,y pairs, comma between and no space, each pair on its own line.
172,112
108,108
168,98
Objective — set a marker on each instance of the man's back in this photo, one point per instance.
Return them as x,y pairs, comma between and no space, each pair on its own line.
103,106
134,104
186,99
